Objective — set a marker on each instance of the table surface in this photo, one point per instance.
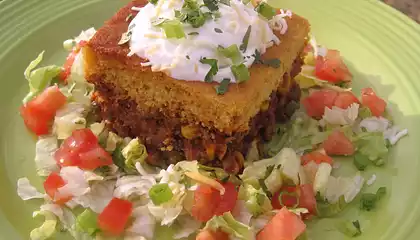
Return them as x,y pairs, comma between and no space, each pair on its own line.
409,7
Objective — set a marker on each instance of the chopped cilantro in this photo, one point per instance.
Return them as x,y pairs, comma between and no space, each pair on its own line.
240,72
368,200
213,70
273,62
265,10
222,87
218,30
232,52
245,39
193,33
211,5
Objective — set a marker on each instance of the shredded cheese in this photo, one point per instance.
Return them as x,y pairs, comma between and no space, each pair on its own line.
206,180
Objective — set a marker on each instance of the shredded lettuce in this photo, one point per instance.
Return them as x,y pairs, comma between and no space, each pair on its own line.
241,212
372,145
338,116
321,178
40,78
228,224
76,183
185,226
69,118
134,152
347,187
256,200
98,197
143,224
349,228
127,186
44,160
47,229
26,191
87,222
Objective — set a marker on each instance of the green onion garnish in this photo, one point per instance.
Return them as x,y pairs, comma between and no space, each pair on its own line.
172,28
87,222
211,5
225,2
293,195
361,161
213,70
368,200
193,33
240,72
245,39
274,62
232,52
154,2
129,17
218,30
222,88
266,10
160,193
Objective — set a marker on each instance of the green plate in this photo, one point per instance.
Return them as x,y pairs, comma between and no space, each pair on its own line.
379,44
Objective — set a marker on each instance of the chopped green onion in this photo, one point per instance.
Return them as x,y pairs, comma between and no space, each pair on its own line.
225,2
350,228
193,33
218,30
274,62
289,194
129,17
240,72
160,193
361,161
213,70
69,44
222,87
87,222
245,39
245,2
154,2
211,5
368,200
172,28
231,52
266,10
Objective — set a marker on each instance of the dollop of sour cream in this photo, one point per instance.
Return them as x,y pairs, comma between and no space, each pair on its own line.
180,58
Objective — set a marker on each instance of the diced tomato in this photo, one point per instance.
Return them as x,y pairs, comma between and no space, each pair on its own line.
50,100
316,102
115,216
51,186
94,158
39,112
65,73
317,157
376,104
81,149
295,196
228,200
332,68
208,234
81,140
206,201
285,225
338,144
34,119
345,99
307,198
65,157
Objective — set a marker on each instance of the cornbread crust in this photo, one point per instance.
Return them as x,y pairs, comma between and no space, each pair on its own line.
192,102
